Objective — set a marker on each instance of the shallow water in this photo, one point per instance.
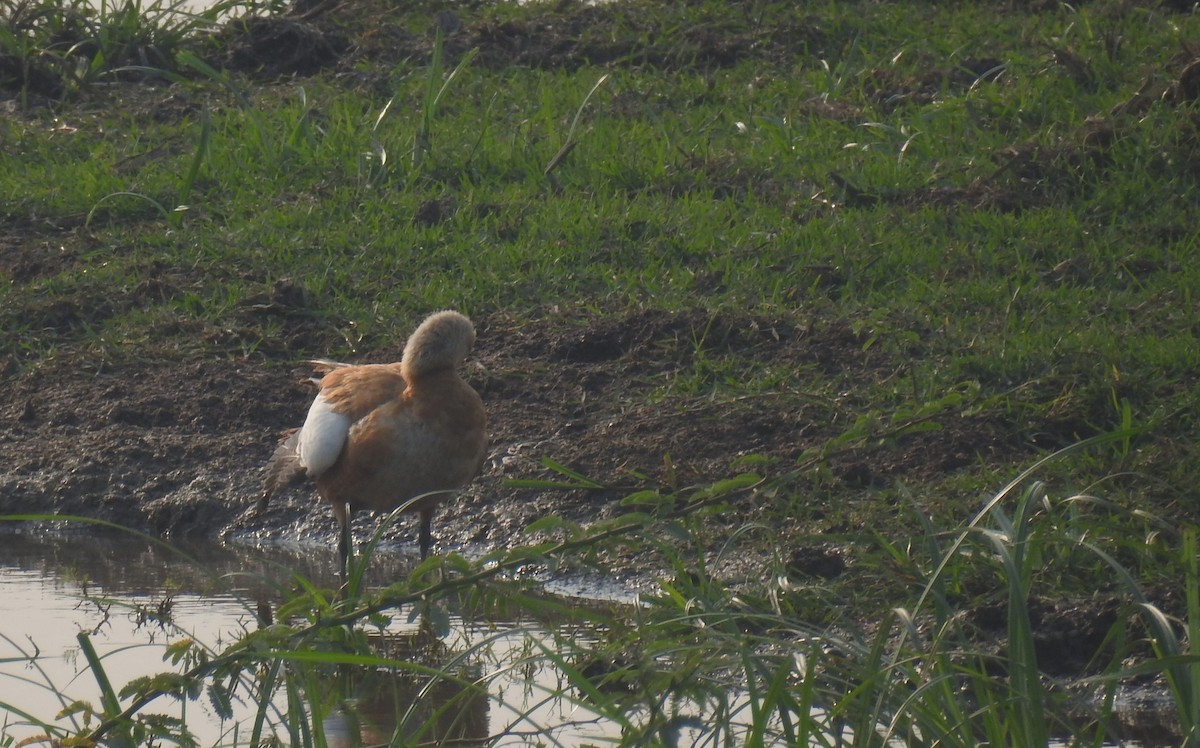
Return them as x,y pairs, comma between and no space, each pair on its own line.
120,591
111,588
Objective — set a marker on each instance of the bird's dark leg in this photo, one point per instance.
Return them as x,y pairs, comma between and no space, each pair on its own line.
426,532
345,542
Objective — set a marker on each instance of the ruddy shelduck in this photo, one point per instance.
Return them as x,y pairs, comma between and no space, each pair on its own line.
380,435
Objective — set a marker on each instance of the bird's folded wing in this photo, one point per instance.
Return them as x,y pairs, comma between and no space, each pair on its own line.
322,436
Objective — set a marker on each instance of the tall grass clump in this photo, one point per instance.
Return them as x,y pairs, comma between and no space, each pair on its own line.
54,48
932,671
945,672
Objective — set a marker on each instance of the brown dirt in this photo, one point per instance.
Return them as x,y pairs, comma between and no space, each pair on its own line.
176,447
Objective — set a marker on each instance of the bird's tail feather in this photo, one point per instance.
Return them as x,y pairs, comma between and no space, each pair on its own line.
283,469
325,365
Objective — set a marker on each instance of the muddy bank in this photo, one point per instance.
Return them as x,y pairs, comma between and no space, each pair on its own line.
176,448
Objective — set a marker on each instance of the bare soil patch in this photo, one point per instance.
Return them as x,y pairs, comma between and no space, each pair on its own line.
176,447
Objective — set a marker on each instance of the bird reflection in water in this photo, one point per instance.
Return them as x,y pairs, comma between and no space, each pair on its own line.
374,706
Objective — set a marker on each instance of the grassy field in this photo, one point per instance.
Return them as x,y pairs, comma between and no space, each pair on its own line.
883,255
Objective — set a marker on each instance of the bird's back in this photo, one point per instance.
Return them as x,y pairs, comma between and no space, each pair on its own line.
430,438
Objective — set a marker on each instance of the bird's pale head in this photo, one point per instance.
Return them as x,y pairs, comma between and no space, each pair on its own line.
441,342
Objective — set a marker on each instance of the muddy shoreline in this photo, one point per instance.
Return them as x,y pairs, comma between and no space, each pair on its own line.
177,448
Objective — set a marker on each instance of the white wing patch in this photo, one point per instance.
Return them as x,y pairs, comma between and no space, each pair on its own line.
322,437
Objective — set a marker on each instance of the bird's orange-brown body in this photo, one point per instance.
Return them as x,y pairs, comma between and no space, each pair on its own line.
380,435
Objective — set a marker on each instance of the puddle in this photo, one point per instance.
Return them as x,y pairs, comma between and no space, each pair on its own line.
505,686
504,690
114,588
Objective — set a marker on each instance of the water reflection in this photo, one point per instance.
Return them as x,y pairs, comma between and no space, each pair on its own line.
461,682
378,706
132,596
400,706
123,563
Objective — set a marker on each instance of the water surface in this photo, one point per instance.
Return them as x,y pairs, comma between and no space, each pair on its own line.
132,596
